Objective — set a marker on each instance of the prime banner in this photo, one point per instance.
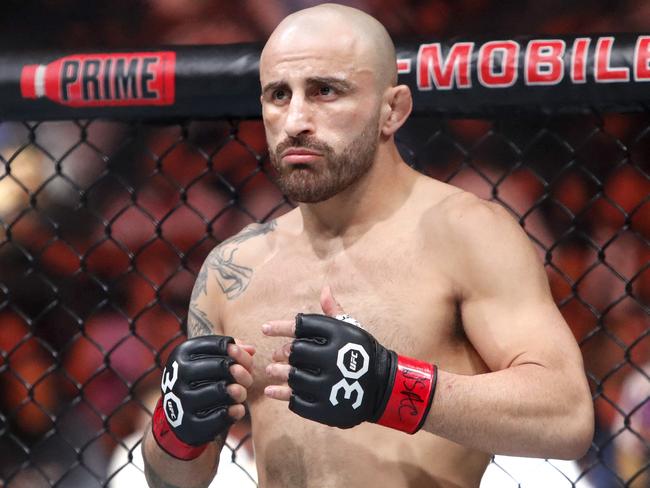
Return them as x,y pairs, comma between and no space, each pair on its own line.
455,78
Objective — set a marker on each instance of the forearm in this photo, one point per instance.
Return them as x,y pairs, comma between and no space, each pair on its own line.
524,410
165,471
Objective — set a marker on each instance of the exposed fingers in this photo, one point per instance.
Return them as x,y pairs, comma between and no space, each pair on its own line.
237,412
249,348
241,375
279,372
282,355
237,392
278,392
241,356
279,328
328,303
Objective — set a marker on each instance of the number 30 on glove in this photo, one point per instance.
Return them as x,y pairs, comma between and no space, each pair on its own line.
341,376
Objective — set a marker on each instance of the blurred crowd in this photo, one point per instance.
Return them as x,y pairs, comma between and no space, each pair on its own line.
105,224
73,24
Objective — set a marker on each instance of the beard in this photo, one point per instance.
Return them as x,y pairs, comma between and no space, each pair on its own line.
321,181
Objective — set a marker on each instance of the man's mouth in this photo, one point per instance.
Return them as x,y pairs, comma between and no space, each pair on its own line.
298,156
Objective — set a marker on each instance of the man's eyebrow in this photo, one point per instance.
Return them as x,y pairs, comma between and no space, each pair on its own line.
338,83
273,85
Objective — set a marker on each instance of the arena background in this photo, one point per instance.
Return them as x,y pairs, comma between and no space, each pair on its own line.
105,222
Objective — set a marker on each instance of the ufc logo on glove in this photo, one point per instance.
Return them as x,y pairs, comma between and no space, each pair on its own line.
348,360
377,385
193,409
173,406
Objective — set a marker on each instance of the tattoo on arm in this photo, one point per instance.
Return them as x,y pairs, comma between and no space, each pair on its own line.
198,323
200,285
234,278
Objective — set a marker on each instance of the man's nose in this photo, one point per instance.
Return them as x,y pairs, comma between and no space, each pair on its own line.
299,117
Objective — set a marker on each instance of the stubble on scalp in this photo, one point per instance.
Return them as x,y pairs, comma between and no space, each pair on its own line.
374,44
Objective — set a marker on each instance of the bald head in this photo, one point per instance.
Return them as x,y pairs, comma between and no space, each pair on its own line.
338,31
330,100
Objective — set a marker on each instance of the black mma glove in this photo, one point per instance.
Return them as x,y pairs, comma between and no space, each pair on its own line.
342,376
193,409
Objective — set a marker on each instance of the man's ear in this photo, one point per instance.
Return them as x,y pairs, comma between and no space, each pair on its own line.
398,104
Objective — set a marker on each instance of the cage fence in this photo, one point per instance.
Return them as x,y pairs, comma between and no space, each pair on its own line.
105,222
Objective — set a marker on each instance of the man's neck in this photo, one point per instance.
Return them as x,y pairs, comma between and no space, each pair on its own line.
342,219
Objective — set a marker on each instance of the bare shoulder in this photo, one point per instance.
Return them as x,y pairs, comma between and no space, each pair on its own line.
257,239
251,240
461,208
232,262
226,274
463,218
481,243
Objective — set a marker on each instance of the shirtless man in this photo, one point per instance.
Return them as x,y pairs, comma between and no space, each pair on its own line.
429,271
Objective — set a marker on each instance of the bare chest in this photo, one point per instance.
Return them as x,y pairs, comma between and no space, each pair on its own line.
406,303
397,297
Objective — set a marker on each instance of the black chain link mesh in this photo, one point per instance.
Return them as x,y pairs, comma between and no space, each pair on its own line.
105,225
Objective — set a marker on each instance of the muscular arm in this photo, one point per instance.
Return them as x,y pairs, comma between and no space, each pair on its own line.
161,469
222,277
535,401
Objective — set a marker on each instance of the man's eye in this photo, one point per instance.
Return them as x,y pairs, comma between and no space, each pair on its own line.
325,90
280,95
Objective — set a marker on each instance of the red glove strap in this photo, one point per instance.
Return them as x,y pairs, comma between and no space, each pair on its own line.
168,441
411,397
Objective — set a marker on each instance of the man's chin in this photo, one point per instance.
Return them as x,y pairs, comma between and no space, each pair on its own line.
308,195
302,190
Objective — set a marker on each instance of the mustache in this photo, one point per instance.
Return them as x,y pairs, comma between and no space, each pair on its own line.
305,142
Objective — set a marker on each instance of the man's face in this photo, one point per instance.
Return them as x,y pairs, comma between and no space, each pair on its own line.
321,114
